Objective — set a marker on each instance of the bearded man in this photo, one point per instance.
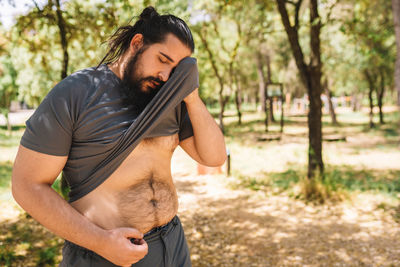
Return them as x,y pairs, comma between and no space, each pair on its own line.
112,131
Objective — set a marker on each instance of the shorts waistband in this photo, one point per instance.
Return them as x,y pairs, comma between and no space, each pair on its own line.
156,232
153,234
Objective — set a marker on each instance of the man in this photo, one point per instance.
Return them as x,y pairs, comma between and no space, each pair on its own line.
120,212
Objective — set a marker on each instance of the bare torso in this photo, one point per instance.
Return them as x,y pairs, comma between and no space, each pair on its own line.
140,193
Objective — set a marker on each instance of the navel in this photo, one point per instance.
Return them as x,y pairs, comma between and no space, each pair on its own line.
154,202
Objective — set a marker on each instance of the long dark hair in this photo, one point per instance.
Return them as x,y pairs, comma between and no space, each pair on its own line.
154,28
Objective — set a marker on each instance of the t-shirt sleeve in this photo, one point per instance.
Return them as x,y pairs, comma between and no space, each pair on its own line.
50,128
185,127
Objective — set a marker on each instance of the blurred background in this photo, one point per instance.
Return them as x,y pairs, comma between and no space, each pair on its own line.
307,93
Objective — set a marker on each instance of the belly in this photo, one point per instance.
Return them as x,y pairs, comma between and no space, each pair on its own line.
147,204
140,193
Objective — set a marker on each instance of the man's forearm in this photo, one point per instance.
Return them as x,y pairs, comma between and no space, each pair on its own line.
56,214
208,137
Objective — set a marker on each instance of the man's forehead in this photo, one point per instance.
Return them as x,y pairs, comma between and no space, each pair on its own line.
172,49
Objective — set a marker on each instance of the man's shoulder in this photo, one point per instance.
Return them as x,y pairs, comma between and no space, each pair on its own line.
89,74
81,82
81,78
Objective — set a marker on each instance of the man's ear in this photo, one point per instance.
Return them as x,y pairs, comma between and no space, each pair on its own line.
136,42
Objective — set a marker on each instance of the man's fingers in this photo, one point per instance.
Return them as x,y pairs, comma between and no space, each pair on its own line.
141,247
131,233
141,242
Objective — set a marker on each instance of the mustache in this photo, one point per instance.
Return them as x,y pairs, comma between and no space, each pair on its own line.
159,82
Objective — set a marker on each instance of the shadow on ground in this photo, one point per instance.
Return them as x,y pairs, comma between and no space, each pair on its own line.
244,231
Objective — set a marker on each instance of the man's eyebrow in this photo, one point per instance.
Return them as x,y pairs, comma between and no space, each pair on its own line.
170,59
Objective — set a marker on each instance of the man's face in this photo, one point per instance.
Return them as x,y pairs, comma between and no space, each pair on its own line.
150,67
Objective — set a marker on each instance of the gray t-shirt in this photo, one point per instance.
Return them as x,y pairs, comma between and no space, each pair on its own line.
84,117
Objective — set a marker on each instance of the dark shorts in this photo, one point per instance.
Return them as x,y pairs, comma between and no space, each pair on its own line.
167,248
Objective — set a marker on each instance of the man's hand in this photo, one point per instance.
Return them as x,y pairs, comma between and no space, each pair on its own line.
118,248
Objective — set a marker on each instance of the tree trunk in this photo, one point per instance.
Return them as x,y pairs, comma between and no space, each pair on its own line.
331,108
261,82
64,41
355,103
371,84
6,103
371,108
262,96
311,78
222,102
238,100
396,18
256,100
271,108
267,94
315,113
379,94
9,128
282,109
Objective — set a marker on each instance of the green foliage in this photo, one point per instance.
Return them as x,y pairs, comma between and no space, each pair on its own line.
5,175
354,36
369,36
47,256
8,86
7,255
63,191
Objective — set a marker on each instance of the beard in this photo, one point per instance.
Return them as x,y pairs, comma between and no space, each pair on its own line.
137,94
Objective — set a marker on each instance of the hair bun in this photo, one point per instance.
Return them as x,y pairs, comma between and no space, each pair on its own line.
149,13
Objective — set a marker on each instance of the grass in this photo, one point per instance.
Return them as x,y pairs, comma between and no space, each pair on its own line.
26,243
338,179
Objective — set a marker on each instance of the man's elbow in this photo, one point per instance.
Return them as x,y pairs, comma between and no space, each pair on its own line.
215,161
20,188
15,189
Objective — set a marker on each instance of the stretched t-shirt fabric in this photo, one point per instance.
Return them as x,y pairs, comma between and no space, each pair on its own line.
85,117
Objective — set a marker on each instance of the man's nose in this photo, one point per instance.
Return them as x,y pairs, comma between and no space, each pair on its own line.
164,75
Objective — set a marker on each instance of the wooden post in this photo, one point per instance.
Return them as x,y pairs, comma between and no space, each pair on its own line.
282,98
228,163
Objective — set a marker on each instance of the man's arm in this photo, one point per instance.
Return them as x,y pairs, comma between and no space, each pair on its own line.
207,145
32,177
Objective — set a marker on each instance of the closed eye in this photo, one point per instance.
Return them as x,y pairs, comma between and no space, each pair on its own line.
162,60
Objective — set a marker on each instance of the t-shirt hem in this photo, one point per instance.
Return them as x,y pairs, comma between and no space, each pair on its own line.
41,149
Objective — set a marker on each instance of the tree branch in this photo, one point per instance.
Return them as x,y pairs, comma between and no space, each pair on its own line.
296,13
328,16
294,42
215,27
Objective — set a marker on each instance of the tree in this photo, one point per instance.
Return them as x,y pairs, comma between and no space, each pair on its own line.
396,19
372,33
222,51
8,87
310,75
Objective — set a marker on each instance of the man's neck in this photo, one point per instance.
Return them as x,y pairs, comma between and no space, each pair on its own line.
118,66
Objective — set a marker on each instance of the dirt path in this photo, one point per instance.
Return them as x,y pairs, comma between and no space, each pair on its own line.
227,227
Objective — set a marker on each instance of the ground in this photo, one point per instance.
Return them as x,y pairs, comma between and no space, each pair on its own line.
258,215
